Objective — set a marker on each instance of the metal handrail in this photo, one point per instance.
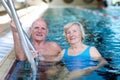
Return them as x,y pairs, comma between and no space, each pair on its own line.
5,5
26,44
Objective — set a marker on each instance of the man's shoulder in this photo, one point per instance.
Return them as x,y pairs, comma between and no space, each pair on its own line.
53,43
54,46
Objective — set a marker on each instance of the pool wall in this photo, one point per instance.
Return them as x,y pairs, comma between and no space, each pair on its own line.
72,3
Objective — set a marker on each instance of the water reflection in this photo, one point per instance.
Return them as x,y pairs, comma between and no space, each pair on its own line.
102,32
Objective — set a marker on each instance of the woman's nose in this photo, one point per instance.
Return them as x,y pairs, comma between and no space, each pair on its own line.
71,33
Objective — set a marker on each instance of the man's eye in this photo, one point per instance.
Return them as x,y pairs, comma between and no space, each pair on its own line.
36,27
43,29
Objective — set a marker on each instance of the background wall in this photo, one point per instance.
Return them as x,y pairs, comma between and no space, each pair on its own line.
74,3
22,3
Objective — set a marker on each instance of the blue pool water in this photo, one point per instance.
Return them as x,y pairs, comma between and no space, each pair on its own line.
101,31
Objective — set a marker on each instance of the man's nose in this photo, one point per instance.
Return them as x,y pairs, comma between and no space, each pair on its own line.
39,30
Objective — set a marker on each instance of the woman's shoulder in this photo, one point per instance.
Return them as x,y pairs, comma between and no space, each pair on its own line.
94,52
90,46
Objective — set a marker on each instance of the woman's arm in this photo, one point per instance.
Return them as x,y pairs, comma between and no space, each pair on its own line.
97,56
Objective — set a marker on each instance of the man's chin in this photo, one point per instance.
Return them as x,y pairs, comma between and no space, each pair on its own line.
39,39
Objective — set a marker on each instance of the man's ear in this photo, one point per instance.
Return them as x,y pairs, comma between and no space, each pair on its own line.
47,31
30,30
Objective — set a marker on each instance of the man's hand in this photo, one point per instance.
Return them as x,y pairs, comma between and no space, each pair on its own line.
36,54
13,27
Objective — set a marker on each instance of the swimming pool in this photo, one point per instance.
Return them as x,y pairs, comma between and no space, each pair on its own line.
101,27
102,31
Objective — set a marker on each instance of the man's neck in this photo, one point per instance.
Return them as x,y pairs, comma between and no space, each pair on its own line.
39,43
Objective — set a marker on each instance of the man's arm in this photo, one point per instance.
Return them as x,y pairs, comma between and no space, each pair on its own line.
20,54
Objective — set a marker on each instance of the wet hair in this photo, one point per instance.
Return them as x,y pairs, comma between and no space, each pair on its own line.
40,20
67,26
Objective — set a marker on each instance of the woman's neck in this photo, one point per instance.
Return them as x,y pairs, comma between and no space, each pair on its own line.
77,45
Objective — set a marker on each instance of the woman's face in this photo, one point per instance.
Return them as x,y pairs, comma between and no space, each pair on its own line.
39,31
73,34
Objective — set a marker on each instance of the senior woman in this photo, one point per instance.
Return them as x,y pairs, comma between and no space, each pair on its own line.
80,59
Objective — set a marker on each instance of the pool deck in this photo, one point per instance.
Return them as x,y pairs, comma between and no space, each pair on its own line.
6,65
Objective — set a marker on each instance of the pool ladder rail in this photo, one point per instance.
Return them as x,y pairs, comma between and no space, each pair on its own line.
26,44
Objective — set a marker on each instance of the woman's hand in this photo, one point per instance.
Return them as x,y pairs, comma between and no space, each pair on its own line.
74,74
78,73
89,70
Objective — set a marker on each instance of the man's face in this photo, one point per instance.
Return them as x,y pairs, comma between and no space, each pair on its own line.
39,30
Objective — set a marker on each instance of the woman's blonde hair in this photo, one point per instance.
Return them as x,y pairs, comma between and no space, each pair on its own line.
67,26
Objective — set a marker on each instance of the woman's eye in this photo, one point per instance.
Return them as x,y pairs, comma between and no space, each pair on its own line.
67,32
74,31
